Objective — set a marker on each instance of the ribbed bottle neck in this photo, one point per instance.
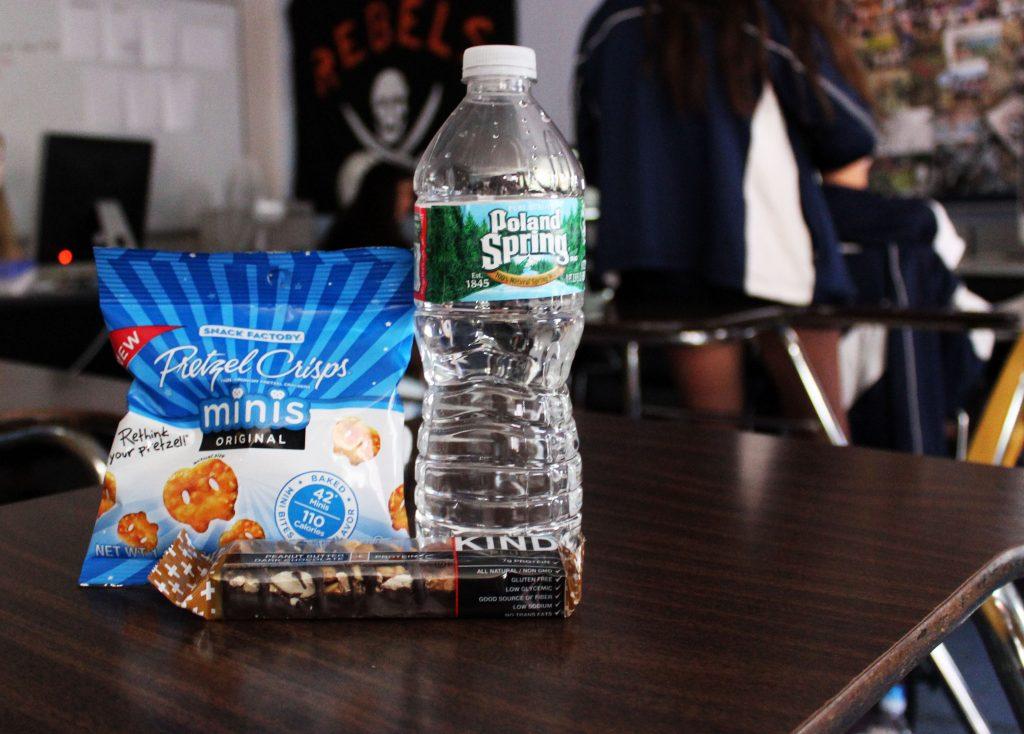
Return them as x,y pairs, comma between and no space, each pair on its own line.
498,85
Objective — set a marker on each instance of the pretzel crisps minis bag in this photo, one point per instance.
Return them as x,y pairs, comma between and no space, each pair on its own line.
263,405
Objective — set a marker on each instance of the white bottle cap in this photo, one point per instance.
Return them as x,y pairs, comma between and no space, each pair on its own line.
498,60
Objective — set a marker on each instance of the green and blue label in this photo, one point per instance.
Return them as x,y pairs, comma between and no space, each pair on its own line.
501,250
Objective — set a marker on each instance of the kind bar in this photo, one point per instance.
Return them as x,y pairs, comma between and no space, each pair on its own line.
492,577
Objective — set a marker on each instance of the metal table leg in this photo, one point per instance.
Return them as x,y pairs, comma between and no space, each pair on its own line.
963,435
1000,622
633,396
86,358
812,386
957,687
1010,421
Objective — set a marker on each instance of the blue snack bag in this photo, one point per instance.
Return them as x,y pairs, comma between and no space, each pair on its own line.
264,402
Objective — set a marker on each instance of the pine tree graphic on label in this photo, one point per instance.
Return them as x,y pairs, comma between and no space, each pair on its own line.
455,261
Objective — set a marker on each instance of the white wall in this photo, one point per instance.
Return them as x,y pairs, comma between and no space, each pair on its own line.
169,73
270,117
551,27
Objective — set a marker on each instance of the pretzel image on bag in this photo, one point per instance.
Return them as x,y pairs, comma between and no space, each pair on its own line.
263,404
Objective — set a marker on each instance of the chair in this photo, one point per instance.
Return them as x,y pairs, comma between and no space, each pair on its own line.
998,441
31,469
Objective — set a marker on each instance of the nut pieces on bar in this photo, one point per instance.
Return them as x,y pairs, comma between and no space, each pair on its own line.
261,579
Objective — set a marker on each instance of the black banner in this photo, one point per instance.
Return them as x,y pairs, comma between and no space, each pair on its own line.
374,79
254,438
511,584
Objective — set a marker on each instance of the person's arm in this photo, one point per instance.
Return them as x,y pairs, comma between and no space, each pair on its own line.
873,220
949,245
837,125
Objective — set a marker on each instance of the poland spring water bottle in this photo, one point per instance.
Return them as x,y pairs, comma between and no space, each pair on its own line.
500,273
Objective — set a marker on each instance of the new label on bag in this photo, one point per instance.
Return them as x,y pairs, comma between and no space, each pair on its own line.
501,250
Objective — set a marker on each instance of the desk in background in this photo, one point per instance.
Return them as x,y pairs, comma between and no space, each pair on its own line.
997,276
55,429
53,329
29,392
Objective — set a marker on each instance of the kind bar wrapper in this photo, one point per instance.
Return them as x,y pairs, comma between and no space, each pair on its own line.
263,404
487,577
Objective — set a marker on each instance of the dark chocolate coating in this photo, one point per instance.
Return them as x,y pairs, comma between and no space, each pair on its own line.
274,580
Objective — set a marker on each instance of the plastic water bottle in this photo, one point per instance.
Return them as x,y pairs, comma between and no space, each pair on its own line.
500,274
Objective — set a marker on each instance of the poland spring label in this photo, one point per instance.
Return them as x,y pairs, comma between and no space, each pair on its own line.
501,250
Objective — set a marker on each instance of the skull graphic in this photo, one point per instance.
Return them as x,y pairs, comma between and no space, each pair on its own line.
389,100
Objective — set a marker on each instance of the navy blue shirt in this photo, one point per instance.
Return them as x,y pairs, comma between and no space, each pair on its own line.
893,260
733,201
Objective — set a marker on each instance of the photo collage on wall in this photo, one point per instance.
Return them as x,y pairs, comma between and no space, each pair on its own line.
948,80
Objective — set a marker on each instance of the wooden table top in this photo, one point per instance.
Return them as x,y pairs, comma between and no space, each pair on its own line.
733,583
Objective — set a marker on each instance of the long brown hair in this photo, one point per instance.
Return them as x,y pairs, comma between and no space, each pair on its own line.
674,35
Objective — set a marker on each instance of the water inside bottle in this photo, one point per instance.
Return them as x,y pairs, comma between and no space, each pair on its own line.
500,276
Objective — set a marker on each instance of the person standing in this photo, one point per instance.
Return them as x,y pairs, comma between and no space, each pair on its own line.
705,124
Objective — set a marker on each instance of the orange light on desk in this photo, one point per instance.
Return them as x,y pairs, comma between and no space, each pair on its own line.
64,257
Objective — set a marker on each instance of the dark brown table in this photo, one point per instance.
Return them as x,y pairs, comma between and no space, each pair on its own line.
36,393
734,583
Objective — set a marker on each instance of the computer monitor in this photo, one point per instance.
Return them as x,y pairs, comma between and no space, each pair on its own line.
78,172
